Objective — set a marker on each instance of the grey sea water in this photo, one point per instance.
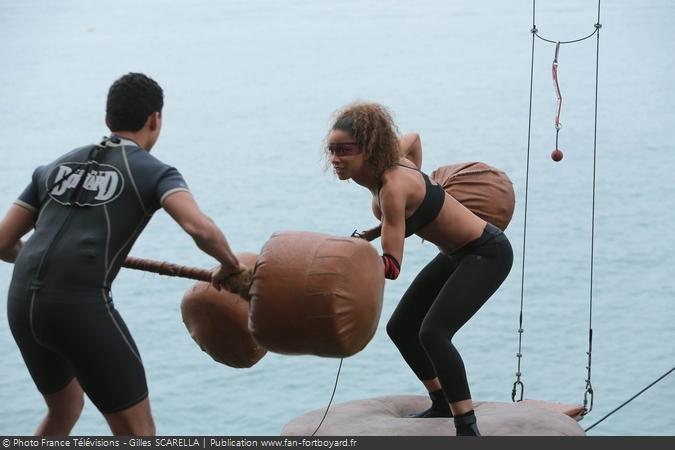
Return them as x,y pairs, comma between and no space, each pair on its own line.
250,87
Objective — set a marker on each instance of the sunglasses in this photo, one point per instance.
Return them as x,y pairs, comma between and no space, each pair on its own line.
344,149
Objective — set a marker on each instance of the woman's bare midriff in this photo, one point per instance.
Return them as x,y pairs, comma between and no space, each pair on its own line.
454,227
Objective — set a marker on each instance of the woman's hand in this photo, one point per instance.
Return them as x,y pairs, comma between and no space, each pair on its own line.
368,235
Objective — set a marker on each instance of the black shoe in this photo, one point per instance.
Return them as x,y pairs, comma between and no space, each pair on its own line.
439,407
466,425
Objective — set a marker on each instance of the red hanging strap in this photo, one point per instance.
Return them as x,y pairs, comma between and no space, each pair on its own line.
558,95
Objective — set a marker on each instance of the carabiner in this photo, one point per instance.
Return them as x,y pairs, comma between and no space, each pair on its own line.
588,395
515,388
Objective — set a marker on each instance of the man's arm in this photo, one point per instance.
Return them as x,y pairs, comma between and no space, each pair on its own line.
411,148
17,222
182,207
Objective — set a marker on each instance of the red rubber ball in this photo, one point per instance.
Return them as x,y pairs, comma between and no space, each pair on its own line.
557,155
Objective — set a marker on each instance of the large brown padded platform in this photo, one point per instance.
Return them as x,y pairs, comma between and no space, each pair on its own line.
385,416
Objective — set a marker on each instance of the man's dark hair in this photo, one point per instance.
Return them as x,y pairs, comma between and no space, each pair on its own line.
131,99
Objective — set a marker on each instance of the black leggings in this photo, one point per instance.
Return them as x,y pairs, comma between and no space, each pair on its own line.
441,299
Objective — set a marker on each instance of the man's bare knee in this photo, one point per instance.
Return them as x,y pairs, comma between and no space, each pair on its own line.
66,407
63,409
68,412
133,421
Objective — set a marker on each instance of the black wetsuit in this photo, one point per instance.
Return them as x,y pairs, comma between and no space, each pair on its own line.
92,204
444,296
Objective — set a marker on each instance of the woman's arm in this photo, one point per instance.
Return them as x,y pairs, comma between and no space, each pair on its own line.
411,148
393,228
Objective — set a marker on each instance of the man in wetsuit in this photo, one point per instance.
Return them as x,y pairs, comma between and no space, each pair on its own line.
88,207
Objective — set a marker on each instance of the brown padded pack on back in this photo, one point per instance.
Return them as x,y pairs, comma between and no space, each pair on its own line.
484,190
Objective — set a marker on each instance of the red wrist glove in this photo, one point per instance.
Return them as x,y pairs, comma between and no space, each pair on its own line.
391,267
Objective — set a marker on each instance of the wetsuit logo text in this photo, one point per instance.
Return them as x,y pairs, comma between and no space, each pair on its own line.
102,183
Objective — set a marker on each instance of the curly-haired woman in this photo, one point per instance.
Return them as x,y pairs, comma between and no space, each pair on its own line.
474,259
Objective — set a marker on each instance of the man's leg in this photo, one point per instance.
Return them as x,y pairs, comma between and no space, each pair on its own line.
64,408
103,353
133,421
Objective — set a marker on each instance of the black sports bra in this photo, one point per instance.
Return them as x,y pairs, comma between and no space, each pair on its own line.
428,209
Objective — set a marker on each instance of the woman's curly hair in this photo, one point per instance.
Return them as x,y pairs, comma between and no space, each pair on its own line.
373,129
